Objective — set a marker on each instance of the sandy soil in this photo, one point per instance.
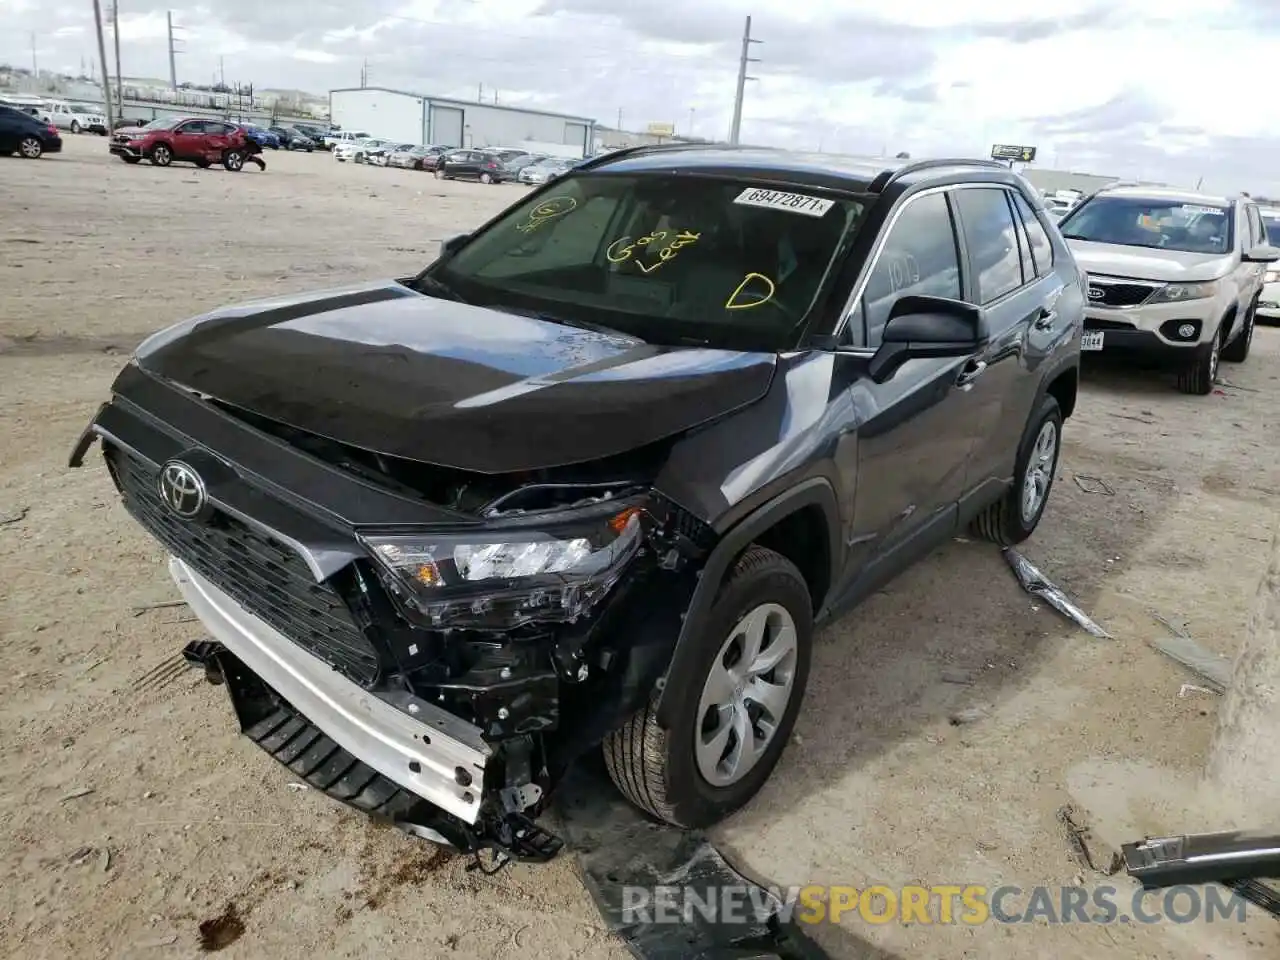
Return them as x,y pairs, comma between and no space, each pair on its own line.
183,818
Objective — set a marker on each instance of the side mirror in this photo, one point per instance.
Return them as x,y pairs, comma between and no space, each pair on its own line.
1262,253
453,244
922,327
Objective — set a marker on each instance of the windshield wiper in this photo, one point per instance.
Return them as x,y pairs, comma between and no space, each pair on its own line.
1073,236
430,285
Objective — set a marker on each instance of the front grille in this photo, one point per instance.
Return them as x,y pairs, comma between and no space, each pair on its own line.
266,577
1091,324
1111,294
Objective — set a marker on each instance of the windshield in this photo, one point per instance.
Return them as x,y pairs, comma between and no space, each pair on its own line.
79,109
162,123
1271,220
1159,224
670,259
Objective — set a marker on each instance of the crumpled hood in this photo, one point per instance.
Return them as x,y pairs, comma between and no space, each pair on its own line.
386,369
1166,266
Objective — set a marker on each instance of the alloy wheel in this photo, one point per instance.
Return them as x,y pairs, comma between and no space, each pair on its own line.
746,694
1039,473
31,148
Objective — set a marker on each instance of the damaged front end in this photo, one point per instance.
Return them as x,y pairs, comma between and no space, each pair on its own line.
442,675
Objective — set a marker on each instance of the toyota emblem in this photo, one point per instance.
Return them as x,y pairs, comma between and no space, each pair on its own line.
1096,293
182,490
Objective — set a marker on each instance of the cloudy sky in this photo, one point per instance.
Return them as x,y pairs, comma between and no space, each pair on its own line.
1153,88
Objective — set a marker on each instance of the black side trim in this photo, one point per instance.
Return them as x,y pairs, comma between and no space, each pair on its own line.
816,491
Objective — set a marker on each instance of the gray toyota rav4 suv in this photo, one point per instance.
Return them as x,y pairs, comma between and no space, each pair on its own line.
592,478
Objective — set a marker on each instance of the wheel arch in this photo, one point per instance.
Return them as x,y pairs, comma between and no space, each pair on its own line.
783,524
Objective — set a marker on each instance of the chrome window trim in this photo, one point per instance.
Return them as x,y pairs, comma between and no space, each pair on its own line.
865,276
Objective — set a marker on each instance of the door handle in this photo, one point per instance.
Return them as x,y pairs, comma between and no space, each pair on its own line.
971,372
1046,319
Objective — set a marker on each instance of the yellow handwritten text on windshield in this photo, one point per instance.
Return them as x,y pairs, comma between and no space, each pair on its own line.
755,290
657,243
548,209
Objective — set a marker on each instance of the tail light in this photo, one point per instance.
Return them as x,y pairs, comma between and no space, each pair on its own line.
53,131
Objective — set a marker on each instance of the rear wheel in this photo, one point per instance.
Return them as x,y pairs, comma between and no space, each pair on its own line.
233,160
75,126
161,155
1198,377
439,174
31,147
1237,351
486,178
1014,517
726,738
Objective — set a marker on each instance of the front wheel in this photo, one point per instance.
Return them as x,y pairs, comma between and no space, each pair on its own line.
1198,377
726,738
75,126
1014,517
233,160
439,174
161,155
31,148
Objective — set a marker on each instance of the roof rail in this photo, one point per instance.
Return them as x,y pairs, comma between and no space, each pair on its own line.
642,149
890,176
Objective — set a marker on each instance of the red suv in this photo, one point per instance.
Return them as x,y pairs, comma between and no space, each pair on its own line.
197,140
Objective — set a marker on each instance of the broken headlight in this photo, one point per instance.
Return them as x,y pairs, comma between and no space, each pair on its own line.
504,577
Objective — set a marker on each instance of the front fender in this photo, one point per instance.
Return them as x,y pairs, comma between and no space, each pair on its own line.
680,683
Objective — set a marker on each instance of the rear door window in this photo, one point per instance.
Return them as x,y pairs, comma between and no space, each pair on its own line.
1041,248
991,240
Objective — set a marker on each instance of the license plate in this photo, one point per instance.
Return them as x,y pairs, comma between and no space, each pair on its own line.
1091,341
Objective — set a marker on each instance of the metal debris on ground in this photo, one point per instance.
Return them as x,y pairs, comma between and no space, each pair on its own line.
13,516
140,609
617,848
76,794
1093,485
967,715
1189,688
1214,669
1082,844
1238,859
1037,584
297,787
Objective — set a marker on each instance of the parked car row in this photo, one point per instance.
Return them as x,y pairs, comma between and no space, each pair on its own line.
487,165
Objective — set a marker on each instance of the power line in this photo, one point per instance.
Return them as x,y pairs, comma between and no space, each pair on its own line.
742,81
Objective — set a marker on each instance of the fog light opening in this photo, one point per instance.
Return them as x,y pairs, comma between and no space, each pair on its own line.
1186,331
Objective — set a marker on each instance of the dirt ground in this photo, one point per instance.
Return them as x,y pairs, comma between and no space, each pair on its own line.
131,811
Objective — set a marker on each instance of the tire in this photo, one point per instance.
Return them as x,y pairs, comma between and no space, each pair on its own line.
1013,518
233,160
486,178
439,174
161,155
1237,351
31,148
75,126
658,769
1198,376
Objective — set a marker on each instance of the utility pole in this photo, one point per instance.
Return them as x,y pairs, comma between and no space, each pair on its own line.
480,93
689,132
742,82
173,69
102,52
222,72
619,118
115,29
35,66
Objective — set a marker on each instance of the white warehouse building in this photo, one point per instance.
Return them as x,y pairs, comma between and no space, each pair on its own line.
421,118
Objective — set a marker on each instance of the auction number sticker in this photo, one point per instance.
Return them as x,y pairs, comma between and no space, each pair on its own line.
779,200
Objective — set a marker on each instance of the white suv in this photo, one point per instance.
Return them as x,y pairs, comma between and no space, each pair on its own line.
1173,275
76,118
